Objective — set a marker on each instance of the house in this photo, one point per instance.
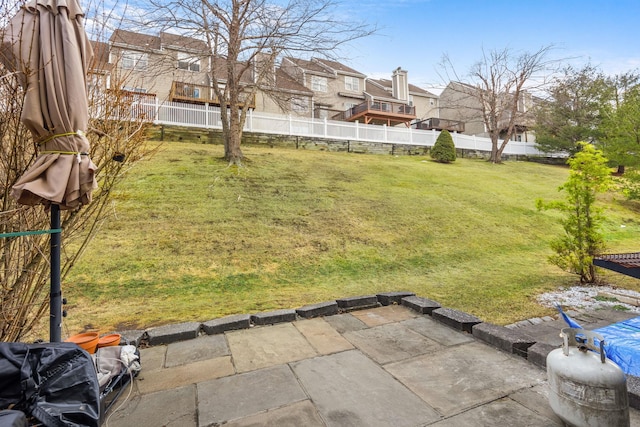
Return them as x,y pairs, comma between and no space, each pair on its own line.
342,93
176,68
460,102
170,67
173,67
282,94
425,102
335,87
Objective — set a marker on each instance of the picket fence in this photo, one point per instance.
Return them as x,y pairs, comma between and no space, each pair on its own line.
208,117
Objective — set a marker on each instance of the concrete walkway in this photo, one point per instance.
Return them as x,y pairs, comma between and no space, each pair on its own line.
385,366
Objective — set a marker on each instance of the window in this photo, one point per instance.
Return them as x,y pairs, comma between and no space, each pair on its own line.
351,83
318,84
133,60
188,62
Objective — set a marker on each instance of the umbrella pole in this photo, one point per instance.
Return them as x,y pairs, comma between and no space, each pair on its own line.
55,302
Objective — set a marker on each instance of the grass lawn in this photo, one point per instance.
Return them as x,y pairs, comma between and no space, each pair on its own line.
190,239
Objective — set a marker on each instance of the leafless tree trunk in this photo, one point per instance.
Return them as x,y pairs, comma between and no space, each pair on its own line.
497,91
246,37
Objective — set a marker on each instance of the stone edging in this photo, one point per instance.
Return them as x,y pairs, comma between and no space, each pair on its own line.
506,338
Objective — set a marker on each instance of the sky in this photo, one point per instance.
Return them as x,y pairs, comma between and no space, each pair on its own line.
415,34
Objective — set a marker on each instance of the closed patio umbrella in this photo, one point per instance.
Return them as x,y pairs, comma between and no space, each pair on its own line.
51,52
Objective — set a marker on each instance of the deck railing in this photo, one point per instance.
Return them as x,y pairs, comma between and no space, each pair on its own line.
380,107
440,124
197,94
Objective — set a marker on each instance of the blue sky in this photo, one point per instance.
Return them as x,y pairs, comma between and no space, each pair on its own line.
414,34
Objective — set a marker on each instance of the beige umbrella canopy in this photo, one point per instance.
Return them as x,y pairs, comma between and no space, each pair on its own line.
51,53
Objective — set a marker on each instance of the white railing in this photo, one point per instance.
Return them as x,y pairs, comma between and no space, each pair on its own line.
208,117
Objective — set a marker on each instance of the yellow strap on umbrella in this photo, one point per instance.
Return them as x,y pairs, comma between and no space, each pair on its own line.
60,135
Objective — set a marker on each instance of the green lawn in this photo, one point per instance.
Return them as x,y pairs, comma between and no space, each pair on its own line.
192,239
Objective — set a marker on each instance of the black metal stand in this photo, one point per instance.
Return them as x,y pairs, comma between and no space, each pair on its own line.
55,301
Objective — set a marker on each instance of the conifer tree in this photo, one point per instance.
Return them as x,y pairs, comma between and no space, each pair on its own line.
582,239
444,151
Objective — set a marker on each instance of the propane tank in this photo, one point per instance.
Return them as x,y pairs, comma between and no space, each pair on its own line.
585,388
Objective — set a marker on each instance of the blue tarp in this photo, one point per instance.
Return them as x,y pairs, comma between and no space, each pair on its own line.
622,342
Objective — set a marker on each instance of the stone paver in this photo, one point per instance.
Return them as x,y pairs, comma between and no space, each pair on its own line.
436,331
345,322
323,338
247,394
153,357
164,379
500,413
391,342
175,407
348,389
268,346
383,315
388,366
461,377
301,414
537,400
201,348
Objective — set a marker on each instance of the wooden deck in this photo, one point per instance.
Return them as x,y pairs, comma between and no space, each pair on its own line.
198,94
378,112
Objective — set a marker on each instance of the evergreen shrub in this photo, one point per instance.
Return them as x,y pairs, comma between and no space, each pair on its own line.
443,150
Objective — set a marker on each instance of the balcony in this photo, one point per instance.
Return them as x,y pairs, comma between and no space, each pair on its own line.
440,124
379,113
198,94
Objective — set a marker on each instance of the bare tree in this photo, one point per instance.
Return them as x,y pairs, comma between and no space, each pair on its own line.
498,92
246,37
117,135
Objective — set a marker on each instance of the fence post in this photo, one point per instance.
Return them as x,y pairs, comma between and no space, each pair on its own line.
250,120
357,131
156,110
325,127
290,126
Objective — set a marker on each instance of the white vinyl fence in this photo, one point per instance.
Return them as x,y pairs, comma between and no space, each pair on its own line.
208,117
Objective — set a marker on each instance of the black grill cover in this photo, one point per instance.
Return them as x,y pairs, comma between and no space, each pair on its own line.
11,418
56,383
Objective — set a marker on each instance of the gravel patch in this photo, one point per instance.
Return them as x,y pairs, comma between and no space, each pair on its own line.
586,297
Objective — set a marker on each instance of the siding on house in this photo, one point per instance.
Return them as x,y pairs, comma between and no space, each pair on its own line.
458,101
147,63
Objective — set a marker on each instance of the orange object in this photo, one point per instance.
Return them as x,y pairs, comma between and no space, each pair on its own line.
87,340
109,340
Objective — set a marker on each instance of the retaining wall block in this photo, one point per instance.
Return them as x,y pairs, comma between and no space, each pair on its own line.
272,317
421,305
456,319
328,308
228,323
503,338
